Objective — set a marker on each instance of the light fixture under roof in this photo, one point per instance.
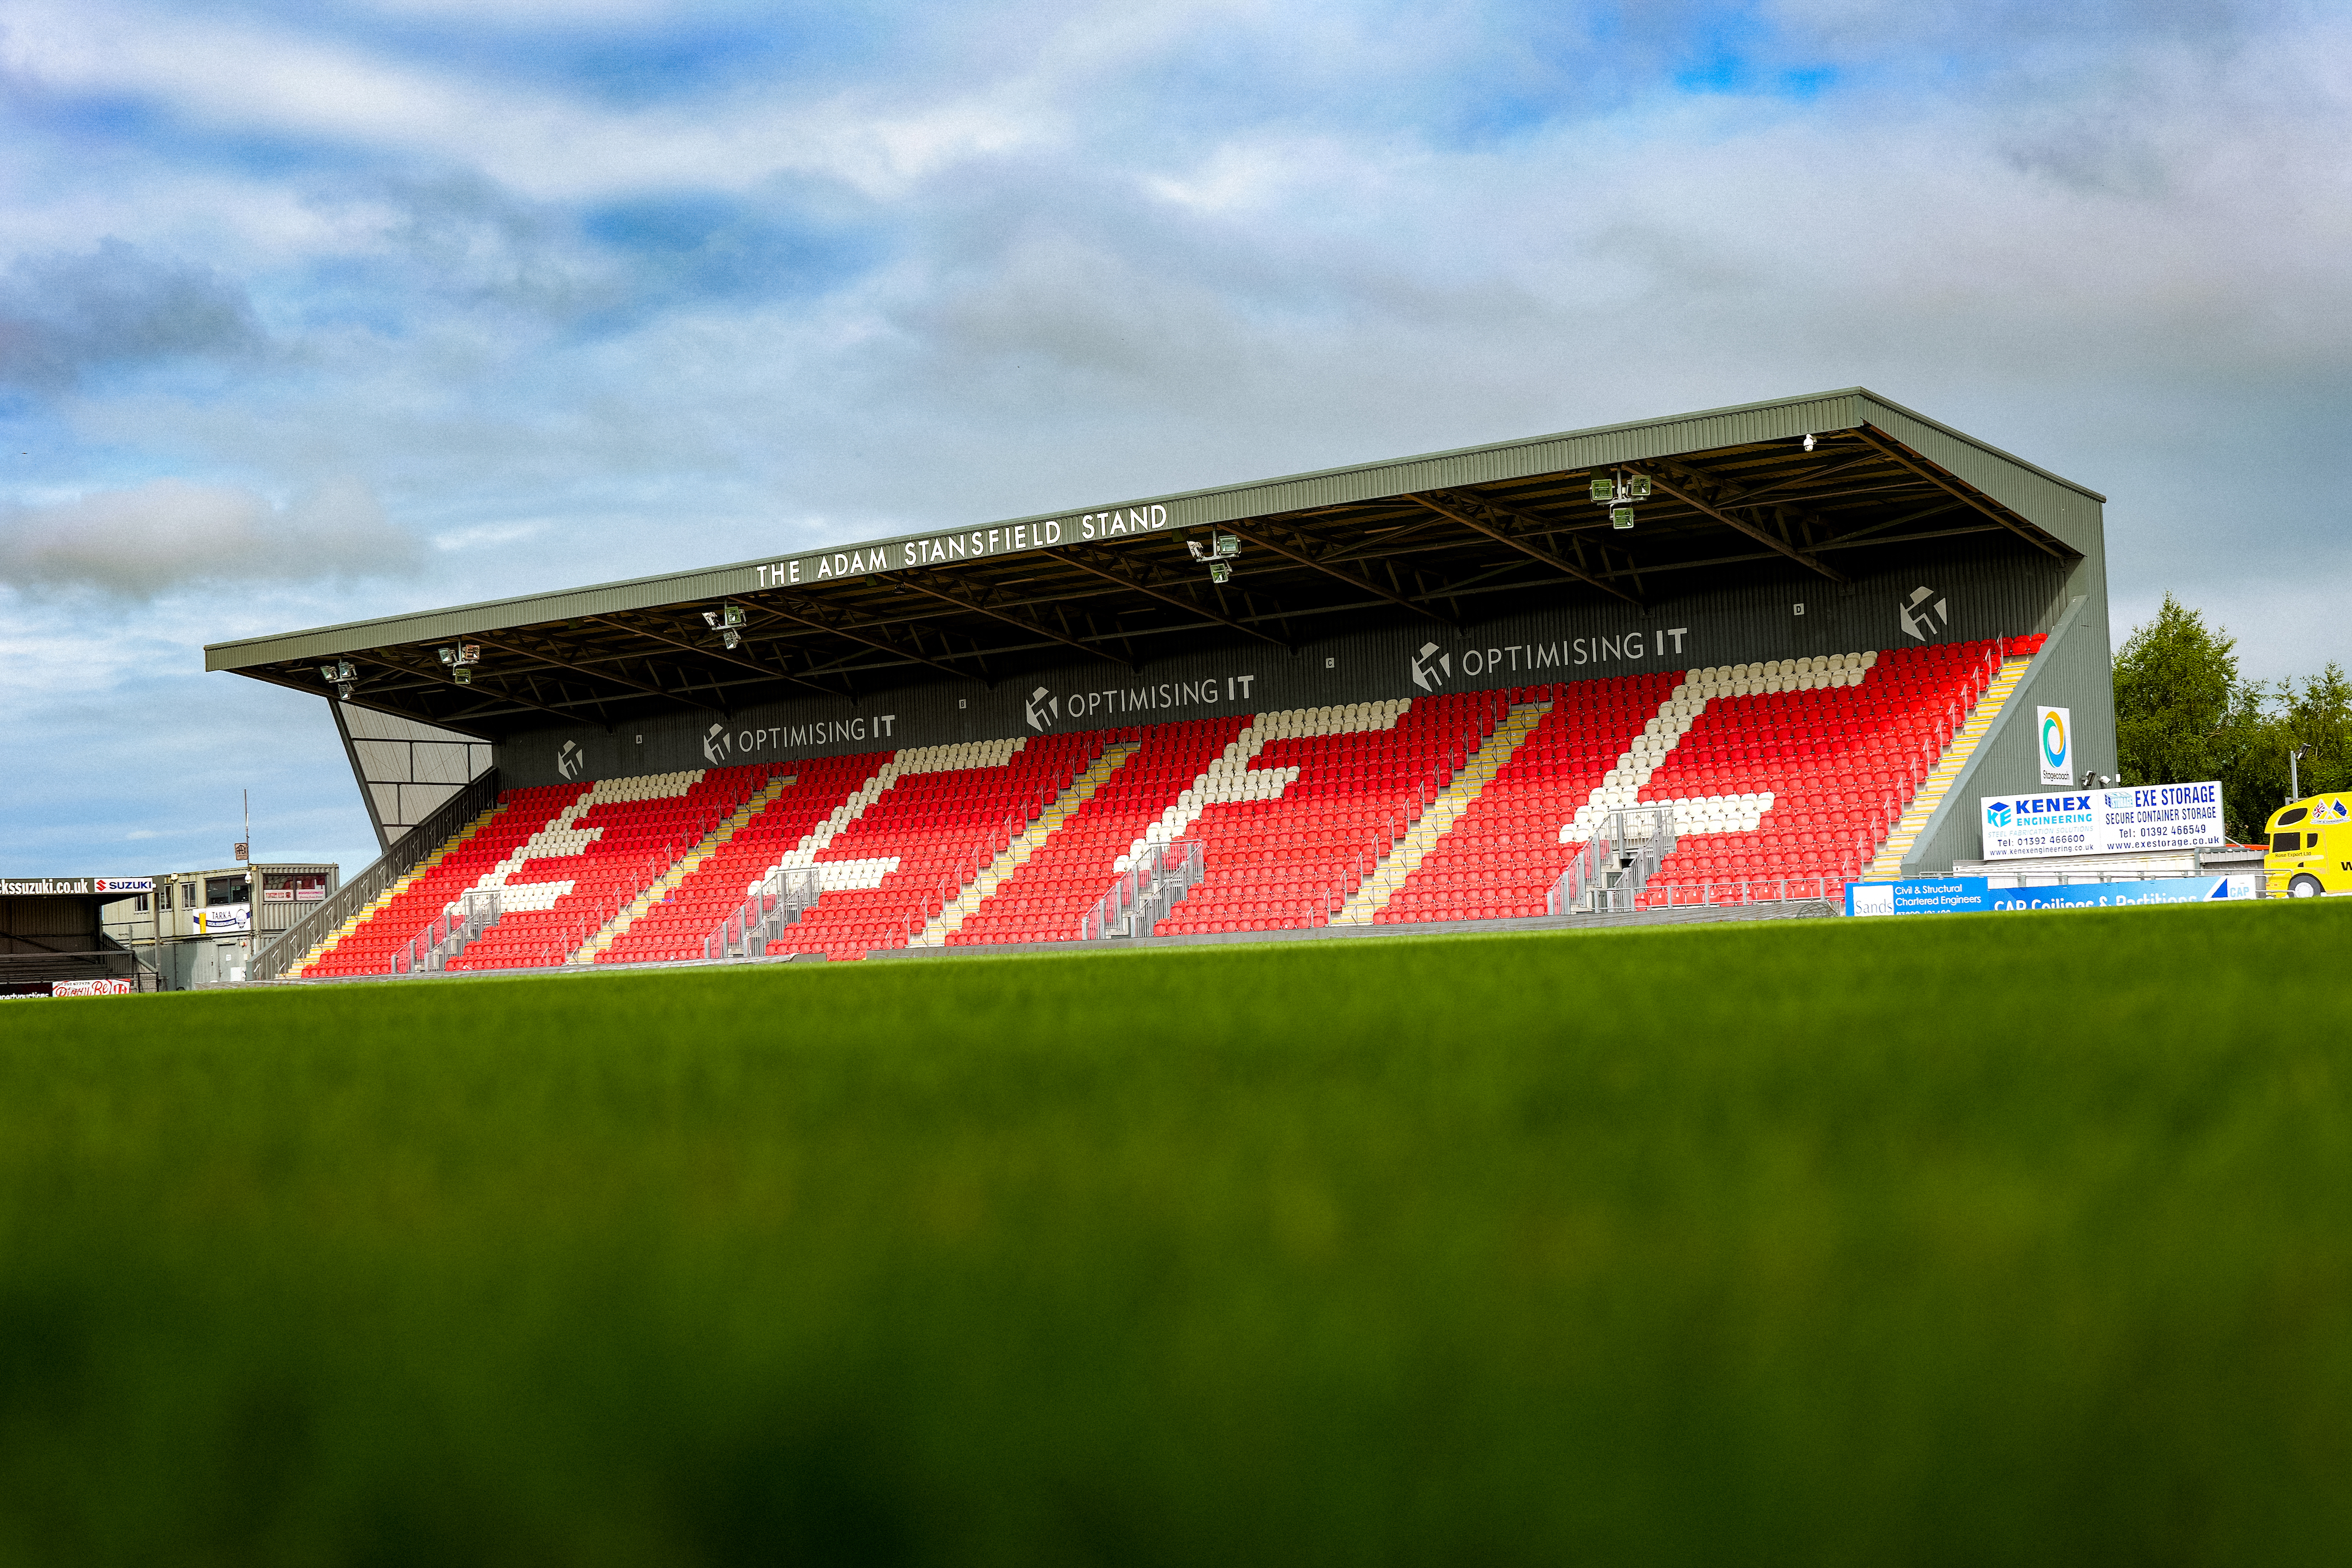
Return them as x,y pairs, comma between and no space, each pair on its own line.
728,623
341,676
1614,489
461,658
1219,553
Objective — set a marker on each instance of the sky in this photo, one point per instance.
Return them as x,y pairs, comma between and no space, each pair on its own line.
310,311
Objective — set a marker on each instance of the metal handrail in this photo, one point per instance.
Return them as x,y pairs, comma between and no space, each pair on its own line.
779,900
1141,897
460,923
407,851
1624,850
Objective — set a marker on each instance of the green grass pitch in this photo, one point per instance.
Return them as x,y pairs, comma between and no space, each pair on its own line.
2012,1239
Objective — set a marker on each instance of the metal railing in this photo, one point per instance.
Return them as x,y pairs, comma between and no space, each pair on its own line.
1730,892
1140,897
110,960
448,934
412,847
1623,852
778,901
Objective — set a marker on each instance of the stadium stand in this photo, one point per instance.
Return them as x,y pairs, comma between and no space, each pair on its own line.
1458,807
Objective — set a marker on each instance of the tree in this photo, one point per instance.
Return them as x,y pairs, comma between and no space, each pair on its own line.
2184,714
2317,718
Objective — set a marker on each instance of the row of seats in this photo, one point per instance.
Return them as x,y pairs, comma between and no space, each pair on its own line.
1776,770
582,870
678,923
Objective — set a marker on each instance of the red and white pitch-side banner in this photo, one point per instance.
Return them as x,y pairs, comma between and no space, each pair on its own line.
91,989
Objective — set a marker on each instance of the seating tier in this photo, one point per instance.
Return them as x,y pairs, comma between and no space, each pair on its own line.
1343,786
1293,809
1504,852
677,926
1044,900
560,887
945,814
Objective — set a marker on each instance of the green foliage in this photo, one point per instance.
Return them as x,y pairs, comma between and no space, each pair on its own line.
2183,713
2317,718
1795,1243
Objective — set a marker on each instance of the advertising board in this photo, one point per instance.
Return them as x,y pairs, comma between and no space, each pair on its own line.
1976,896
109,988
2102,822
221,919
2053,729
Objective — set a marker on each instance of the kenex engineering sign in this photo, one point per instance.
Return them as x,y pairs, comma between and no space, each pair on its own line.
2102,822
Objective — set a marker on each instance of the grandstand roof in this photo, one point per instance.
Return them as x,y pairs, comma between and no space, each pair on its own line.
1449,538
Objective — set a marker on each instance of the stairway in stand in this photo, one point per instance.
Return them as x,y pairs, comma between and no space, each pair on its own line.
332,939
1014,856
1423,837
1888,862
614,928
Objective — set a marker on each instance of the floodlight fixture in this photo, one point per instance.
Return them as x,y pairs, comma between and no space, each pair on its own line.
1809,443
728,622
463,674
460,657
1218,552
1614,489
341,676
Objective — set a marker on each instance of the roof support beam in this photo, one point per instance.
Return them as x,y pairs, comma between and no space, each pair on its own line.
1967,493
547,656
1481,516
719,655
499,692
1684,484
1111,567
360,699
821,617
988,602
1308,551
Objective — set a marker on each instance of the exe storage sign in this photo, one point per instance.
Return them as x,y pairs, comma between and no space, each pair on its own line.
2103,821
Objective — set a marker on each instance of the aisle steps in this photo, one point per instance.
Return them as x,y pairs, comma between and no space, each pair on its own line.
1409,852
1026,843
1888,862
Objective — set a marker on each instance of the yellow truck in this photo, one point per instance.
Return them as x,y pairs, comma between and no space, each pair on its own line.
2311,847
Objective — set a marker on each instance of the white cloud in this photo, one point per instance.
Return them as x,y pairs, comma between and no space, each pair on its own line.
169,534
253,79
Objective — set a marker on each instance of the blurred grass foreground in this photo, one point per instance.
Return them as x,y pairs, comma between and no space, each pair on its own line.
2018,1238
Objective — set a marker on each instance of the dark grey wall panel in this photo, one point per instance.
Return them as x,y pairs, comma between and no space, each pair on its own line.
1982,596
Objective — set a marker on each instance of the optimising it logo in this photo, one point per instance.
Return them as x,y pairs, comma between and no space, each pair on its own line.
1043,709
1430,674
1922,620
717,746
569,760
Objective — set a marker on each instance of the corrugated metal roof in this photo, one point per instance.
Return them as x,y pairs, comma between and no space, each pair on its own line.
2066,511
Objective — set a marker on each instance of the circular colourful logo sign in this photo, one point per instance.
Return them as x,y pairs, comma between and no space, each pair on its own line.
2054,740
